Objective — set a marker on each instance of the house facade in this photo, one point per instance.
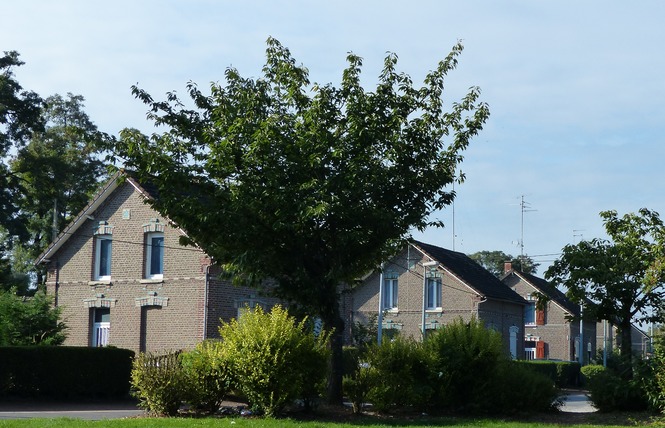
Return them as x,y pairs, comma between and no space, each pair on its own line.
550,331
439,286
121,277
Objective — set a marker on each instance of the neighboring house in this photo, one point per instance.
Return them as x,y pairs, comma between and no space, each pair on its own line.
609,339
549,326
447,286
122,278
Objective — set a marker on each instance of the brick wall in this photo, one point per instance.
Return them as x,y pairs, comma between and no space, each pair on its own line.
558,332
175,322
458,301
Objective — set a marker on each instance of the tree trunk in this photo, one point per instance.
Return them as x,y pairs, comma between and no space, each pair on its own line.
627,345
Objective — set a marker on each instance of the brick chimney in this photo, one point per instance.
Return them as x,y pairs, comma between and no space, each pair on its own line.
507,267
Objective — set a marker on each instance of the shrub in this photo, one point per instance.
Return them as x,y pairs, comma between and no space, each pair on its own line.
158,383
398,374
207,376
465,358
274,359
591,371
65,372
517,387
609,392
563,373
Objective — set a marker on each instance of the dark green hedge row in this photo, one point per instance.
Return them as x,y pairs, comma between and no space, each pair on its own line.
65,372
565,374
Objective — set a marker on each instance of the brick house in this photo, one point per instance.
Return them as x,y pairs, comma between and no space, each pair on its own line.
608,338
122,278
550,332
441,286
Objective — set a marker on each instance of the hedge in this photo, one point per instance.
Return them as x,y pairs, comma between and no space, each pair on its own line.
65,372
563,373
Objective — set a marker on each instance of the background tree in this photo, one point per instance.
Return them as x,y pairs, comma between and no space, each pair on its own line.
623,276
310,185
20,116
57,172
494,262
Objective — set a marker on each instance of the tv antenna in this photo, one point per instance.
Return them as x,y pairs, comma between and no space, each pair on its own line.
525,207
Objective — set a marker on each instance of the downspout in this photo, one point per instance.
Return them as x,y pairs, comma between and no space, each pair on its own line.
205,300
379,327
57,283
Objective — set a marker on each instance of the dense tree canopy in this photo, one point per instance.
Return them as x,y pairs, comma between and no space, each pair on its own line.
58,170
623,276
494,261
310,185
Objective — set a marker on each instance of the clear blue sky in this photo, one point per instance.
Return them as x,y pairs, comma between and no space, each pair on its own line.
576,89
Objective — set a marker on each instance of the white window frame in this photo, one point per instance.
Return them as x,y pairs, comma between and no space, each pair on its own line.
148,255
100,330
98,257
435,284
390,291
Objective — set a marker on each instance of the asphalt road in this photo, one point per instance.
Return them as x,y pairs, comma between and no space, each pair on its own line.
574,402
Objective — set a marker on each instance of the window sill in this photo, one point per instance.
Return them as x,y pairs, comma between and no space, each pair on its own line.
100,282
434,311
152,281
391,310
531,325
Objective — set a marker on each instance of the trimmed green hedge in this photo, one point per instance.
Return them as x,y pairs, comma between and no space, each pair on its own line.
65,372
564,373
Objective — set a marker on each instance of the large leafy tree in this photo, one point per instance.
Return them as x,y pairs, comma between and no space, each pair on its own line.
20,116
494,261
308,185
58,170
622,275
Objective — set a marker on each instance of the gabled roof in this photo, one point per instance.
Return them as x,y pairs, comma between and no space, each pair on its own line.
548,289
100,197
471,273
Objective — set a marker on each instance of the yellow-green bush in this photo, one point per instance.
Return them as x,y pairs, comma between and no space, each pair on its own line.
158,383
207,376
275,359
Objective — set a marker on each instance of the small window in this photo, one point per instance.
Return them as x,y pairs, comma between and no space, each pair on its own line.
433,293
530,313
390,290
101,326
154,256
103,245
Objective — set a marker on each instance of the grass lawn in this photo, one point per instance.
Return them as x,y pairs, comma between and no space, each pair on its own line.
321,421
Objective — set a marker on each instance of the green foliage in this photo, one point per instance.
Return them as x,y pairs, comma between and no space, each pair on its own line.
494,261
275,359
29,320
623,275
516,388
398,374
158,382
281,169
591,371
358,378
609,392
207,376
652,375
564,374
57,372
465,357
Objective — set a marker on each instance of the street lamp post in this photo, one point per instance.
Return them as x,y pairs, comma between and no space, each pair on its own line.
425,266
